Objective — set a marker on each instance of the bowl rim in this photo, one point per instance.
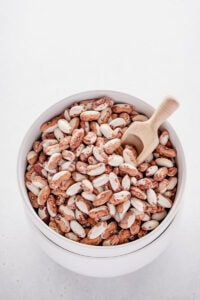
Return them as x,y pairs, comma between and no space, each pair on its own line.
108,251
99,257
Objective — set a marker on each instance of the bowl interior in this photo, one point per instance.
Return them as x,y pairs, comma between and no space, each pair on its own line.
97,251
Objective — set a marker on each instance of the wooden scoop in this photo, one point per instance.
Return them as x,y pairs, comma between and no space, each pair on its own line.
144,135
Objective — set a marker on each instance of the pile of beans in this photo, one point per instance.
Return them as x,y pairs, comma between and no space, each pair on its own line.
87,187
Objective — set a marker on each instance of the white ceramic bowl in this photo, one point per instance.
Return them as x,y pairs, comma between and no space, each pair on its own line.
74,247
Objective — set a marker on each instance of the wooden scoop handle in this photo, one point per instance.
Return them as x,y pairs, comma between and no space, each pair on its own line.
164,110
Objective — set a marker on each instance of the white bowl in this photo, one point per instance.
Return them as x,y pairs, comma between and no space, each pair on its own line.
78,248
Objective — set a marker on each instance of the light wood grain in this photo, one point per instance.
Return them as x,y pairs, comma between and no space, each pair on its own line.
144,135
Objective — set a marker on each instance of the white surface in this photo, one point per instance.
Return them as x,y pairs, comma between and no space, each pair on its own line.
51,49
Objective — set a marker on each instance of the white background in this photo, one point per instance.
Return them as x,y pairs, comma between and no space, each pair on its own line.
51,49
